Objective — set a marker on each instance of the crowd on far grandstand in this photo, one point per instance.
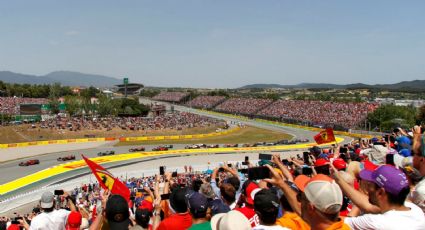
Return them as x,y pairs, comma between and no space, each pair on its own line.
11,105
175,120
324,113
206,102
373,183
320,112
245,106
170,96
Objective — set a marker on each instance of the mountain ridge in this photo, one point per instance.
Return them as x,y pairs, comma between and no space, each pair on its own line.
414,84
67,78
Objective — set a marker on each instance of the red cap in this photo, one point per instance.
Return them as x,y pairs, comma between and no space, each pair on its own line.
146,205
369,165
357,151
250,192
320,162
339,164
13,227
74,221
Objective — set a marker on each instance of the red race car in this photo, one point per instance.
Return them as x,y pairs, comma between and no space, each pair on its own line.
67,158
231,145
137,149
29,162
160,148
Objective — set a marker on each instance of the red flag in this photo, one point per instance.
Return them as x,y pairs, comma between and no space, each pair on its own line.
325,136
107,180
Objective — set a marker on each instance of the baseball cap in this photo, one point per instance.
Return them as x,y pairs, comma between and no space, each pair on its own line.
230,221
207,190
250,191
142,215
369,165
339,164
178,200
387,177
301,180
146,205
197,203
320,162
217,206
74,221
324,193
316,150
47,199
117,212
265,201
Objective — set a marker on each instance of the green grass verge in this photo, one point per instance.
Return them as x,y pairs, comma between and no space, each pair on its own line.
244,135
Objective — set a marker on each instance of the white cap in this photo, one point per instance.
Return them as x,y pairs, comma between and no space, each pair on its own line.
230,221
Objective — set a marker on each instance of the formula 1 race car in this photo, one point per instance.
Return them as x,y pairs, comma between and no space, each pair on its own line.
106,153
160,148
168,146
192,147
137,149
29,162
213,146
67,158
231,145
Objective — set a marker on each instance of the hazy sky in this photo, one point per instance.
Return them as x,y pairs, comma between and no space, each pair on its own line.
220,43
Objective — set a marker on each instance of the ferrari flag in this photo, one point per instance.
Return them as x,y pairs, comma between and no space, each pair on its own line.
107,180
325,136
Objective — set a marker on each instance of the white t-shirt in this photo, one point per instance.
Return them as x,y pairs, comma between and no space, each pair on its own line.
391,220
274,227
55,220
417,195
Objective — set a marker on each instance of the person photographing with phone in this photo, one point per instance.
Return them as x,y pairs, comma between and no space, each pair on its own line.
51,218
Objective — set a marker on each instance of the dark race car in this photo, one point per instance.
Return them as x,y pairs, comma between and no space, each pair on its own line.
137,149
160,148
231,145
168,146
29,162
67,158
213,146
106,153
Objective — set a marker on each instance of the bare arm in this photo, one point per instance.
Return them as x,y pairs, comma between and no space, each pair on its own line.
290,194
359,199
283,168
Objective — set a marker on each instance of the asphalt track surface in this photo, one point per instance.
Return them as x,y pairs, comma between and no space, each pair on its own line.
11,171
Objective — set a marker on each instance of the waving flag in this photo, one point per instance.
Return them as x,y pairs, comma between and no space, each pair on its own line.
325,136
107,180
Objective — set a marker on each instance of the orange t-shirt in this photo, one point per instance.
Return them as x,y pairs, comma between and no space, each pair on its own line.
340,225
292,221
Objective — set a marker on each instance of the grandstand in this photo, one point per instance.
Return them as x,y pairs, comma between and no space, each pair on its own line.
175,97
244,106
206,102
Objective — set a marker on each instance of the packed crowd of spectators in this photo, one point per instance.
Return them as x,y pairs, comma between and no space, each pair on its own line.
206,102
320,112
11,105
367,184
175,120
244,106
171,96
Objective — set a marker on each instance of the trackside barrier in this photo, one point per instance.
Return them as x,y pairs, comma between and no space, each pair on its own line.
122,139
356,135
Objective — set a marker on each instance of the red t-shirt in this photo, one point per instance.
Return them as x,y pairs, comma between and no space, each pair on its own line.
176,222
250,215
